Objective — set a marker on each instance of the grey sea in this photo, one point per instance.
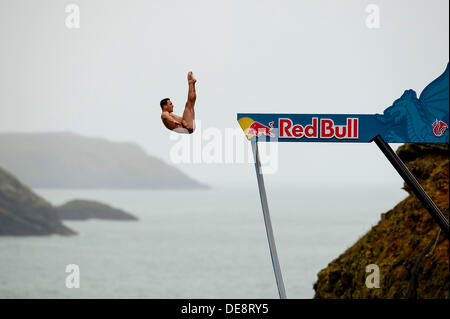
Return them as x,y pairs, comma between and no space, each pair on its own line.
195,243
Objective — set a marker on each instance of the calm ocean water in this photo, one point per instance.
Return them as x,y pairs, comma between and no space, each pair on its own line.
195,244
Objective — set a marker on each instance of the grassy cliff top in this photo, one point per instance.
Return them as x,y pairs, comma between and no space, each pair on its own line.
398,239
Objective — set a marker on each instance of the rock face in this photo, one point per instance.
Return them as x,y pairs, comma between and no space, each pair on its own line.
24,213
398,239
84,209
67,160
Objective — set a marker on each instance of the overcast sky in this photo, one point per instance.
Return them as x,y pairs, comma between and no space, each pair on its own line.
107,77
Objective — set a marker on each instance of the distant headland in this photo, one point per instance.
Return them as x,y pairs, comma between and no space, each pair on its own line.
68,160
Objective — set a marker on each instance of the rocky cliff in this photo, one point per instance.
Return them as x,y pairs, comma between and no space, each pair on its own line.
23,213
398,239
85,209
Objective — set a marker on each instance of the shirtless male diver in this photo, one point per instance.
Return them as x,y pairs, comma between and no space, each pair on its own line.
186,123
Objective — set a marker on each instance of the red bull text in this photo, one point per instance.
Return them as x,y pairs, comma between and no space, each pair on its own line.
327,129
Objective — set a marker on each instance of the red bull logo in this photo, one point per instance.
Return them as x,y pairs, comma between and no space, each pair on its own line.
253,128
439,128
259,129
326,130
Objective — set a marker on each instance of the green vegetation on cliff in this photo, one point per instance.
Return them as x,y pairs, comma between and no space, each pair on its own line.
398,239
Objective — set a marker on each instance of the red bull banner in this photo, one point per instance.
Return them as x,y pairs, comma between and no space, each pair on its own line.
408,120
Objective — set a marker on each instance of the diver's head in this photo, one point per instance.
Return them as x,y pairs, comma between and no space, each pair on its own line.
166,105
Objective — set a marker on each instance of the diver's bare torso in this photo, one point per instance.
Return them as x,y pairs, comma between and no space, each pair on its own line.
171,121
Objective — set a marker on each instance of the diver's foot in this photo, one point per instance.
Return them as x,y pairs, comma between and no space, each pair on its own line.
191,79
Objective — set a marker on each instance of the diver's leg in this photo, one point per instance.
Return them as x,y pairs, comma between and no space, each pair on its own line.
189,113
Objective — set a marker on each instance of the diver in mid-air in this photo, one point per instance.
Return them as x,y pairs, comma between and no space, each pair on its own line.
185,124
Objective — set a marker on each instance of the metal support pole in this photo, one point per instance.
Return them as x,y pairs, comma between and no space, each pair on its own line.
268,223
413,184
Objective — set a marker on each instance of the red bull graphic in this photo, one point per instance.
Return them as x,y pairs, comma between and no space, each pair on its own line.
291,127
254,128
439,128
259,129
